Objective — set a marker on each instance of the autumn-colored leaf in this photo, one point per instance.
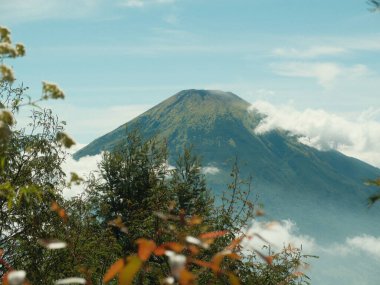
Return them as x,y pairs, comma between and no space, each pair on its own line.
54,206
233,279
146,247
60,211
159,251
218,258
212,235
234,243
113,270
193,249
62,214
127,274
195,220
5,279
175,246
267,259
186,277
205,264
118,223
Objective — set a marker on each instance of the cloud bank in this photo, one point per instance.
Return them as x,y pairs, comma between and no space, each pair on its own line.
352,261
83,167
357,136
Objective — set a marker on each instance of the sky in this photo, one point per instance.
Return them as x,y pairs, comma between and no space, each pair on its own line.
117,58
312,66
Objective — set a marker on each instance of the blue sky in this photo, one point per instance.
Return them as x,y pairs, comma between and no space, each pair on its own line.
116,58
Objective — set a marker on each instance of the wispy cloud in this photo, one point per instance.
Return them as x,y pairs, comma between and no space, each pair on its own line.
356,137
312,52
324,72
88,123
143,3
31,10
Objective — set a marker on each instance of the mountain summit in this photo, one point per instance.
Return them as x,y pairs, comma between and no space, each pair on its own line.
290,178
190,116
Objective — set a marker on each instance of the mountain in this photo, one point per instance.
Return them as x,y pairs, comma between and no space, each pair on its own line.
293,180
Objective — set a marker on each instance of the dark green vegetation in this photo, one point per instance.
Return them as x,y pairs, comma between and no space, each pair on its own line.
293,180
135,200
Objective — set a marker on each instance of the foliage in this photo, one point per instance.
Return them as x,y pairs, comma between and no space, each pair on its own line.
375,5
376,196
31,180
159,224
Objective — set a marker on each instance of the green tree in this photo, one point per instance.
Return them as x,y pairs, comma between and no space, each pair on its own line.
189,185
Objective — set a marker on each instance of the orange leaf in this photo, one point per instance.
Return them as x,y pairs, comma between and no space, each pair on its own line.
206,264
175,246
268,259
186,277
193,249
233,279
113,270
159,250
5,279
212,235
146,247
234,243
62,213
195,220
54,206
127,274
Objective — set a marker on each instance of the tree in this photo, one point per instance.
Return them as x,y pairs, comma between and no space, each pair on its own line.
162,222
189,185
31,180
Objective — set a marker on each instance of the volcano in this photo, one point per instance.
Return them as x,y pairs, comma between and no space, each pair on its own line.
322,191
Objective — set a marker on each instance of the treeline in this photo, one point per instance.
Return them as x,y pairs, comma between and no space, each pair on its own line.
136,222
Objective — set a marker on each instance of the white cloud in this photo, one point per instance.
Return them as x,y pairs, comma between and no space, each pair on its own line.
308,53
324,72
279,235
357,137
29,10
83,167
87,123
354,246
210,170
365,243
142,3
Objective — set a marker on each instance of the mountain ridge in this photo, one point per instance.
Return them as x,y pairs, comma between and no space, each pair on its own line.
290,177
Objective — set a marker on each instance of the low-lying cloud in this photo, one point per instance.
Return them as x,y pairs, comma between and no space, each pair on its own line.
83,167
352,261
278,235
357,137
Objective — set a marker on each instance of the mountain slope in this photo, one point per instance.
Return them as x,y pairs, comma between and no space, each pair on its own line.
291,178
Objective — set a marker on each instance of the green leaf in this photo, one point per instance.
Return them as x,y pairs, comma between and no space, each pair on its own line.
127,274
